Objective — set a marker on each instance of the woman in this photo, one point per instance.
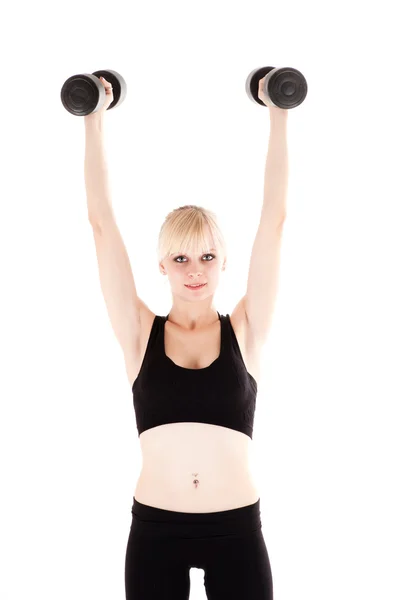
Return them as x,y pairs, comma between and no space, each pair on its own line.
194,377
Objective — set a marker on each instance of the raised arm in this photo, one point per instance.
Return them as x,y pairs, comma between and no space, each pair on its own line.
264,268
117,282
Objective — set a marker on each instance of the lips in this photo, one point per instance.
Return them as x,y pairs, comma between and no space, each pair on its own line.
196,286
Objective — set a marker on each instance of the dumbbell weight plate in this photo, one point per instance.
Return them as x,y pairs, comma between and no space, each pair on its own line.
285,87
82,94
119,86
252,83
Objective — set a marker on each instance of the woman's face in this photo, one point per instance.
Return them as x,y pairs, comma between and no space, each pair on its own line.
186,269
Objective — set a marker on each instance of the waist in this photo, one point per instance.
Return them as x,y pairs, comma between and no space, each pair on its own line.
221,523
203,489
222,474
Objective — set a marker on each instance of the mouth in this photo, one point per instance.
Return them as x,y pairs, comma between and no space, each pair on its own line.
196,287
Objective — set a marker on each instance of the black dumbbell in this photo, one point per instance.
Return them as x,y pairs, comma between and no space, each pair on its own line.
285,87
84,94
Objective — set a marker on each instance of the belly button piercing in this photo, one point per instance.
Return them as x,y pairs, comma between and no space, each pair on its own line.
196,482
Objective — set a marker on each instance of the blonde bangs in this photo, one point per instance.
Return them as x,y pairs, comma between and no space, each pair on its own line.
189,229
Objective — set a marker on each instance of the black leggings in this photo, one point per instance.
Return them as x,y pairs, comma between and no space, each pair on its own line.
228,545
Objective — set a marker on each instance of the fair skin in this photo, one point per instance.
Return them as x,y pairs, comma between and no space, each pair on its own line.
193,309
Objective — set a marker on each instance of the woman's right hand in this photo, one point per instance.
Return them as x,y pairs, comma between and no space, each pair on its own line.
109,94
109,98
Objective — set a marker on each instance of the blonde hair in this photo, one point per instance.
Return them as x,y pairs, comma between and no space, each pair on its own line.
186,228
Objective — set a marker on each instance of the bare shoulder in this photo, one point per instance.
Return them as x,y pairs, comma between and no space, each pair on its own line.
133,363
146,321
146,317
250,349
238,318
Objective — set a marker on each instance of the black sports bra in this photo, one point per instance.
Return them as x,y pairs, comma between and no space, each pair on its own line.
223,394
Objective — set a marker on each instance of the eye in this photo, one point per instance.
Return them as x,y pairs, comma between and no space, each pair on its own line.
177,257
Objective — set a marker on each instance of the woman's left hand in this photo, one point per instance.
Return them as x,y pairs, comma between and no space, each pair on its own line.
265,100
261,94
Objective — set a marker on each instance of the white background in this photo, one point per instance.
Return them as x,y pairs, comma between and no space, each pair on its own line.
325,442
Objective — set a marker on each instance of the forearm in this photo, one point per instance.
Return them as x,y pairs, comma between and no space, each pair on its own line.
276,170
96,171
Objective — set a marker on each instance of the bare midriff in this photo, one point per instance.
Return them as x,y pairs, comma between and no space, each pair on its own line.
195,467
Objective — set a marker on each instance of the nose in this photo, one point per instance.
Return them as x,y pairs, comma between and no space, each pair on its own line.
195,273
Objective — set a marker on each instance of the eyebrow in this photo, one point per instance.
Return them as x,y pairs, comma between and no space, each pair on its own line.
210,250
